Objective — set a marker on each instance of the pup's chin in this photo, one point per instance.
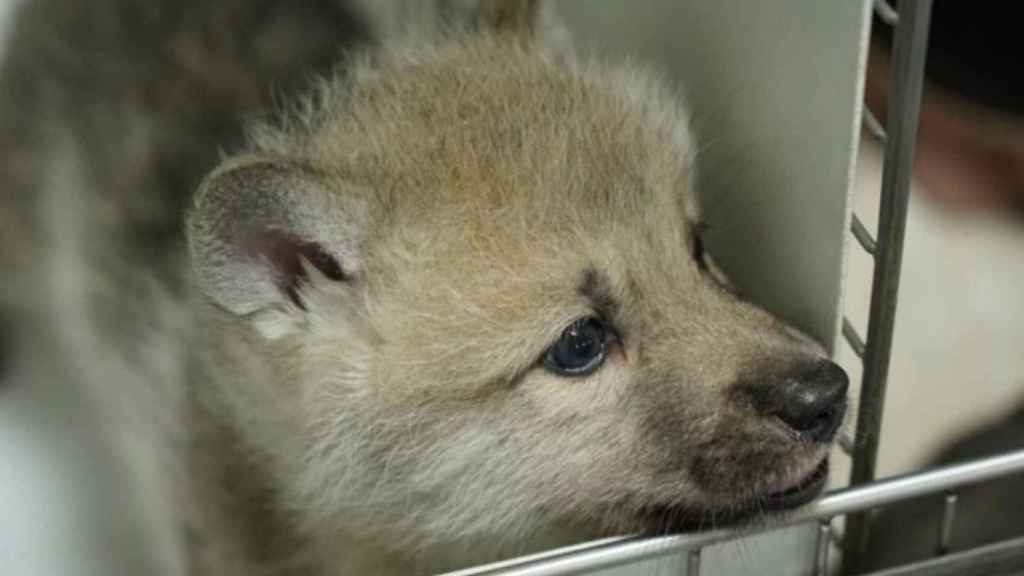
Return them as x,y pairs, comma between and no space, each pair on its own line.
665,520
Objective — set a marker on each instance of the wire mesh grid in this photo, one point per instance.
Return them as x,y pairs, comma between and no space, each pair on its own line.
910,33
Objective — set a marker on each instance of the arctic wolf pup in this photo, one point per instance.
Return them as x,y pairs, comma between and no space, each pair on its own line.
451,305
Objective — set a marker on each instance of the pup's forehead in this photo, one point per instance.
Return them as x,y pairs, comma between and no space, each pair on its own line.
496,125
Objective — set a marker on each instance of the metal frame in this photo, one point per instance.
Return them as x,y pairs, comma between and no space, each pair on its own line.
612,552
906,79
898,135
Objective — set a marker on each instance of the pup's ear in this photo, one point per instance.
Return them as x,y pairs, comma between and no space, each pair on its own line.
259,229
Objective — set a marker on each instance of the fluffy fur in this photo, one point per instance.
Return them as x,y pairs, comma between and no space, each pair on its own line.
352,369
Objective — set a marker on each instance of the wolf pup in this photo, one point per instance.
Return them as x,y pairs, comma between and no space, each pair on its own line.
451,306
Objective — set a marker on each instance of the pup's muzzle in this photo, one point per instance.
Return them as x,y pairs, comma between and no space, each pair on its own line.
809,399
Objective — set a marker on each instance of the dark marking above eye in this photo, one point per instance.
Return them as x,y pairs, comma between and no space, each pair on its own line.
698,248
596,288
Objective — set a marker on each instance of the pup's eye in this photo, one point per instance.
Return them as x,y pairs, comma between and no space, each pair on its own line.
580,350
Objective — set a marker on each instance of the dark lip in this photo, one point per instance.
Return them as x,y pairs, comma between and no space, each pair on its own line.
802,493
671,520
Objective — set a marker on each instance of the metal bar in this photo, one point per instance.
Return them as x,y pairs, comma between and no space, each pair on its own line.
946,528
1006,557
860,232
616,552
875,127
890,490
824,543
853,339
542,557
906,74
693,563
887,13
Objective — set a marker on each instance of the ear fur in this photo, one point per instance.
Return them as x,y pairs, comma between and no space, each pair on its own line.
259,228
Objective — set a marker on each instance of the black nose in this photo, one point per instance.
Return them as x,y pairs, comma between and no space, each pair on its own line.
810,400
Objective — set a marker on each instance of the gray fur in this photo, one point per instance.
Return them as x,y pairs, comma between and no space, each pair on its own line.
245,208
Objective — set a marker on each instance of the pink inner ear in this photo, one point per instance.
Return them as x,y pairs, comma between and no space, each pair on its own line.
285,253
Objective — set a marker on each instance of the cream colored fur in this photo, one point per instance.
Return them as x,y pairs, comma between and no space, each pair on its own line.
345,374
399,421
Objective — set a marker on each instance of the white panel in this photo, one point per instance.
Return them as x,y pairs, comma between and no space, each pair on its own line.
774,87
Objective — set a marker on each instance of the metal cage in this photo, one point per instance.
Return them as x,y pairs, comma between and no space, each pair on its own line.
910,33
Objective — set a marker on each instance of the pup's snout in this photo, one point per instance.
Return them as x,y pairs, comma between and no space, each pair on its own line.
810,400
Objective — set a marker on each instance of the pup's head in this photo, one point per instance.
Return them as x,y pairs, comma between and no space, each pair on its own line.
466,301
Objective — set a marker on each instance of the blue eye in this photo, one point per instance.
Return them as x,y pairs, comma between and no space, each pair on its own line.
580,350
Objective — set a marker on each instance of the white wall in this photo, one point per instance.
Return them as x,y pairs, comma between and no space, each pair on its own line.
774,87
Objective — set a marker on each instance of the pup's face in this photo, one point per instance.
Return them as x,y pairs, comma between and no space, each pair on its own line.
502,327
579,365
